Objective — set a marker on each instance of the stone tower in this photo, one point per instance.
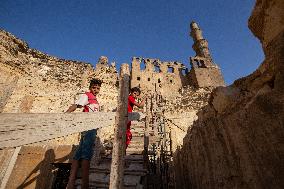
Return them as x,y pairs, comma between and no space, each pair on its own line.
204,72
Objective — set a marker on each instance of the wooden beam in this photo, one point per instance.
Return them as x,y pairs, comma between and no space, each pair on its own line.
118,152
10,167
21,129
26,128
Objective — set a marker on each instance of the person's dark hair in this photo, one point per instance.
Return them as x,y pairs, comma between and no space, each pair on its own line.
135,89
95,82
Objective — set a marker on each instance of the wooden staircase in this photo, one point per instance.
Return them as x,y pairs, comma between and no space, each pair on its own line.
146,157
134,168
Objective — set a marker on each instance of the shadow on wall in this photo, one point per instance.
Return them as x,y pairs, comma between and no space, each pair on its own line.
44,172
50,172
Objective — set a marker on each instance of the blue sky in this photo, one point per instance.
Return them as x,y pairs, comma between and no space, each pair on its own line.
86,30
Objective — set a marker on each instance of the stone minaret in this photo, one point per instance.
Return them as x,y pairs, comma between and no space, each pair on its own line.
204,72
200,45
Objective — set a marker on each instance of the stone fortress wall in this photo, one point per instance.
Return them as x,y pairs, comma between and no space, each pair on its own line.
157,75
35,82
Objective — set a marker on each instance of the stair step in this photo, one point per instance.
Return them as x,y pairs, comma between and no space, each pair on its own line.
135,146
133,152
129,181
130,158
137,134
105,172
130,166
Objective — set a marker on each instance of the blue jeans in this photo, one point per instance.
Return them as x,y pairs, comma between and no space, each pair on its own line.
85,148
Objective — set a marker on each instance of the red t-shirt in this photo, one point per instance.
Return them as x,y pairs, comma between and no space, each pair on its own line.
131,101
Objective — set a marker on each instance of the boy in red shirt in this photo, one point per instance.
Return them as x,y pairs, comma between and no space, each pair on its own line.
134,93
84,152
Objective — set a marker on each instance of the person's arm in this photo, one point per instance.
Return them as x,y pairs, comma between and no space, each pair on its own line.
83,100
141,104
72,108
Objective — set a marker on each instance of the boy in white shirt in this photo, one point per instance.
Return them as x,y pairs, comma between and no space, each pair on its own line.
84,153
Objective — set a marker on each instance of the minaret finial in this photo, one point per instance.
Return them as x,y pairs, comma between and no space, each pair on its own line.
200,45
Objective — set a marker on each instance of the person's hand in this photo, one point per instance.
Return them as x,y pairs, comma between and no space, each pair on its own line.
143,98
146,96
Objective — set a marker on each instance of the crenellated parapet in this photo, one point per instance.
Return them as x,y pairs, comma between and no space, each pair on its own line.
103,65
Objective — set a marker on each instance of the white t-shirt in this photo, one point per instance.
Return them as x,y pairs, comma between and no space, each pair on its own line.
83,101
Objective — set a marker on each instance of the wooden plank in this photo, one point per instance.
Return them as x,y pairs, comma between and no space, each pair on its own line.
21,129
25,128
10,168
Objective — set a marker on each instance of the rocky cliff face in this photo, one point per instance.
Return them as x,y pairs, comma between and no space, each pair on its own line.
237,140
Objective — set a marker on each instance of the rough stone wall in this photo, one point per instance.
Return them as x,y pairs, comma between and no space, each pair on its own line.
180,111
7,85
237,140
109,91
157,75
35,82
204,77
40,86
